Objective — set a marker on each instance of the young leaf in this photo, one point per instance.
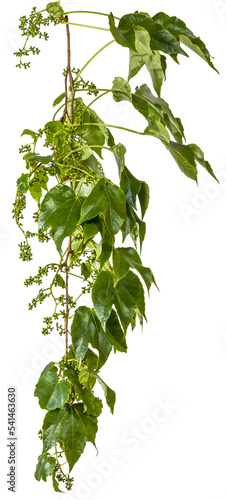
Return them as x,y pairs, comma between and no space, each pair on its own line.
22,183
92,405
119,151
55,9
142,41
52,392
44,467
59,99
109,394
81,330
27,131
41,159
60,281
103,296
60,209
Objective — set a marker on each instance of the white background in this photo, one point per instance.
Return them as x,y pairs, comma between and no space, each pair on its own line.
181,355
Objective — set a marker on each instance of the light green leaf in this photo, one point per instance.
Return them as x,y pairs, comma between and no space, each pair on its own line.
51,391
156,65
36,191
55,9
129,294
49,368
41,159
119,151
22,183
121,90
72,426
92,405
59,99
81,330
60,209
142,41
44,467
114,333
55,483
109,394
27,131
103,296
60,281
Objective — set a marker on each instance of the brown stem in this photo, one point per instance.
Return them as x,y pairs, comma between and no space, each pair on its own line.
68,75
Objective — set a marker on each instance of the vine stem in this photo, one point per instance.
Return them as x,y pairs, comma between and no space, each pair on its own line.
91,58
88,26
90,12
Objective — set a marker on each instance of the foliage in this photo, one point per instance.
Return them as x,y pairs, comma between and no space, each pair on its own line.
83,211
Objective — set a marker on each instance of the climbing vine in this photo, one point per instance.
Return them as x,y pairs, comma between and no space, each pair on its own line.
82,211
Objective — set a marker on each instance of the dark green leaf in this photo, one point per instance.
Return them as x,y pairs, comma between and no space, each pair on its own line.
93,165
92,405
51,391
199,156
106,245
93,135
72,426
91,228
44,467
49,368
114,333
130,185
129,294
81,330
60,209
95,203
179,29
133,226
184,157
103,296
124,258
100,342
22,183
109,394
55,9
121,90
126,38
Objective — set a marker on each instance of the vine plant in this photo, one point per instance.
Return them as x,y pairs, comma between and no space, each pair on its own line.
83,211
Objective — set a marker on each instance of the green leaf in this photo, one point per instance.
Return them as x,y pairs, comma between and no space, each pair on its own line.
114,333
130,185
44,467
59,99
42,159
184,157
22,183
129,294
72,426
106,245
123,259
91,228
199,156
109,394
60,281
151,106
55,9
100,342
81,330
103,296
156,65
121,90
27,131
109,200
160,38
51,391
49,368
119,151
126,38
60,209
142,41
55,483
179,29
93,136
92,405
93,165
36,191
133,226
143,196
